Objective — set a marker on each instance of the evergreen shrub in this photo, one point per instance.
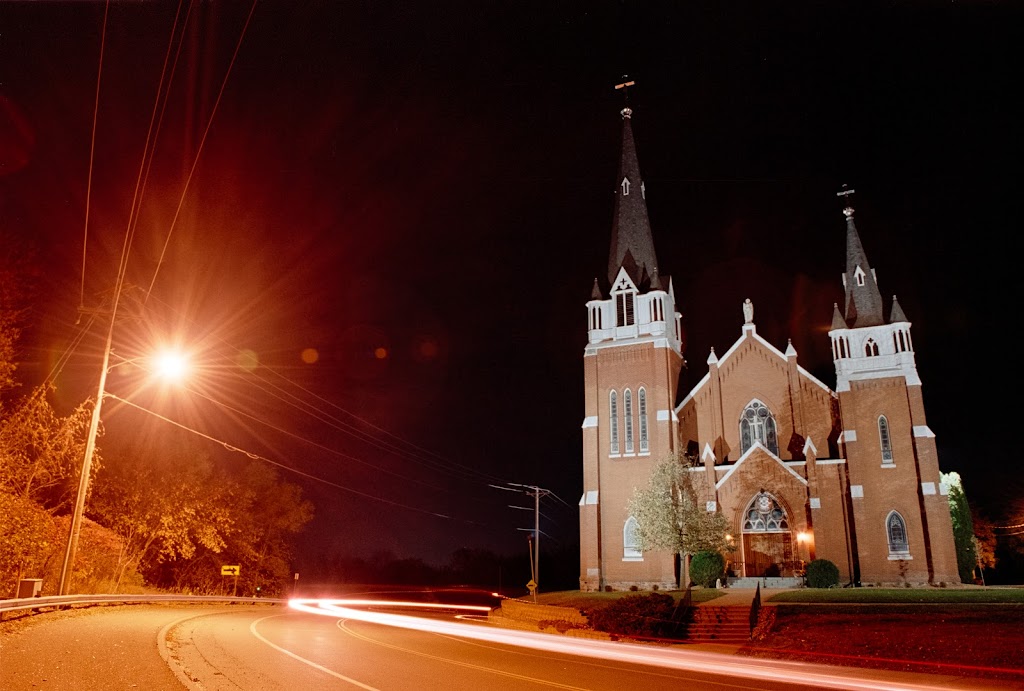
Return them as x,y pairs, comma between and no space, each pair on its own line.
706,568
636,615
821,573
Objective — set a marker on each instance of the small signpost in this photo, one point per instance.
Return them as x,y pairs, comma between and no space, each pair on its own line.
231,571
532,587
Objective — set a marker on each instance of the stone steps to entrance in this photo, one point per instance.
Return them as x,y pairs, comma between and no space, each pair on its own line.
719,624
766,582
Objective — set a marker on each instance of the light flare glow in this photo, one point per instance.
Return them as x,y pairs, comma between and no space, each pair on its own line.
170,365
631,653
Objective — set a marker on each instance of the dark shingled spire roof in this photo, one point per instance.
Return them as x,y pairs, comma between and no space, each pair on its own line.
837,318
863,302
595,293
632,242
896,315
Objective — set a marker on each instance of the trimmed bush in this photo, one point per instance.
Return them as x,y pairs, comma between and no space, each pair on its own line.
706,568
821,573
636,615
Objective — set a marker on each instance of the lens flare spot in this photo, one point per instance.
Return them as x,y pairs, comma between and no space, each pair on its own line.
380,352
310,355
426,349
247,359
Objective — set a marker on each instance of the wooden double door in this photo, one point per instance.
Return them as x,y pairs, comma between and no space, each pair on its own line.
767,554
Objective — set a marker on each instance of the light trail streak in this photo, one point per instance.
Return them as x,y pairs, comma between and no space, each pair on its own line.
630,653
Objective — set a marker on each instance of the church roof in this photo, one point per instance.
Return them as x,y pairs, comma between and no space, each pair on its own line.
632,244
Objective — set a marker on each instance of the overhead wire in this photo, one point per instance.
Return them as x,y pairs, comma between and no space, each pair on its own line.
431,460
92,150
284,466
299,437
202,143
419,454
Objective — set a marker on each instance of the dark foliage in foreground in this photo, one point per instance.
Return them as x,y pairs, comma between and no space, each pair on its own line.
652,615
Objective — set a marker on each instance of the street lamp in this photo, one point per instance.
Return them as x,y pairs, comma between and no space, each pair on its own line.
166,364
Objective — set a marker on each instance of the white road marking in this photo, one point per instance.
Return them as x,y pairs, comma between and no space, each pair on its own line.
254,632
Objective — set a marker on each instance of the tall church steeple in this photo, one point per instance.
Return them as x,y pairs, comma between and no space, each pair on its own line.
632,243
631,365
863,299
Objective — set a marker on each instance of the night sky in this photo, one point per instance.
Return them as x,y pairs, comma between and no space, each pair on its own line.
422,193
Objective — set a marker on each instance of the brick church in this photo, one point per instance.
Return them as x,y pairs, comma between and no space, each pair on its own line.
800,471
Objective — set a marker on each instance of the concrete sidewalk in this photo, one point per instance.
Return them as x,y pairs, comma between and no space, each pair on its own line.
739,597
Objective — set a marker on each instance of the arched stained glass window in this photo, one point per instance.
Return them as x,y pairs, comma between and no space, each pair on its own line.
896,529
765,515
630,543
627,405
641,396
758,424
613,425
883,438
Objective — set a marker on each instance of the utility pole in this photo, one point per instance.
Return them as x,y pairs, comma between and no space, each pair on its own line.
535,492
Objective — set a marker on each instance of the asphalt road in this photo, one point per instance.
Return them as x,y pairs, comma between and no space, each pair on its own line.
261,648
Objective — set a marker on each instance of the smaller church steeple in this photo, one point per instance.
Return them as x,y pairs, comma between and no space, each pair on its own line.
896,313
863,299
632,246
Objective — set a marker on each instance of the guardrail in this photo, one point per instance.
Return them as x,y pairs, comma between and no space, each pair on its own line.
17,604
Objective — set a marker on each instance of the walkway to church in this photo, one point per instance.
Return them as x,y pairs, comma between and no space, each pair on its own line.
740,597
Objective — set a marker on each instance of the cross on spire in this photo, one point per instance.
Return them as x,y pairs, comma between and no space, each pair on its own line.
845,193
624,85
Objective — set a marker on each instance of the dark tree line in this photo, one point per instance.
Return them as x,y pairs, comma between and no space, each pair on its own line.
466,567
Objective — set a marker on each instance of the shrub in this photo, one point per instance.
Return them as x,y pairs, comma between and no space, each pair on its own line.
706,568
637,615
821,573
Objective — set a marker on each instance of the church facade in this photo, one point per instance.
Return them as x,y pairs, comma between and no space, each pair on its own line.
799,470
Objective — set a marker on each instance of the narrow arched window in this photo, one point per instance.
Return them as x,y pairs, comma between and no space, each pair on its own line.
896,530
613,414
758,425
624,308
871,348
883,438
630,543
627,410
641,396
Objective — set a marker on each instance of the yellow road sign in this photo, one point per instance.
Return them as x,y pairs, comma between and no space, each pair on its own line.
532,585
229,570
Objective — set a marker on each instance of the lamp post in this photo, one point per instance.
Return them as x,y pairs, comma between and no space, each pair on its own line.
168,364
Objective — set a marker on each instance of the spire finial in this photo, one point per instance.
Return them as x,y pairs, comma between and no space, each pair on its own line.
845,193
626,112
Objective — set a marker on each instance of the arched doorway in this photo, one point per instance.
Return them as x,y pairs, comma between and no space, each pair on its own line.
767,540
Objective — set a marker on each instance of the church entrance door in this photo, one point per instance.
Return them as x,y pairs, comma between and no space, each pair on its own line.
767,554
767,540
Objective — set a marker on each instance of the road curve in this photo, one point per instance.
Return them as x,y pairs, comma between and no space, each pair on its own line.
263,648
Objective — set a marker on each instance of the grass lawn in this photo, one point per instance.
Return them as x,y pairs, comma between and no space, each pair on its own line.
578,599
899,595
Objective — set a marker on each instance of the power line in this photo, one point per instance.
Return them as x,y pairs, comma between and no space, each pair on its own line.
202,143
283,466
